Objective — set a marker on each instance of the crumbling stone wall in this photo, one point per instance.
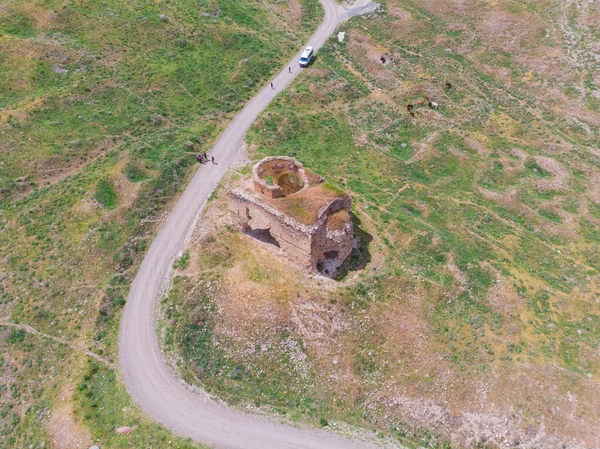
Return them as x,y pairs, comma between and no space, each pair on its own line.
287,174
295,241
326,242
332,246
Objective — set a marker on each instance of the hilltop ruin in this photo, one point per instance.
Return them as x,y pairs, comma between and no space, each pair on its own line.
293,208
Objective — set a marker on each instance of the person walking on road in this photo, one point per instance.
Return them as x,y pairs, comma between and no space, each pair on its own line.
213,159
272,87
290,69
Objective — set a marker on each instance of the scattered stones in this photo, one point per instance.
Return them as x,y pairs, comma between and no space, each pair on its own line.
213,14
61,70
157,119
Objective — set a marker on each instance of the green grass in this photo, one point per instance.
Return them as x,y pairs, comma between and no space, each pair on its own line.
500,273
135,173
29,368
183,261
104,406
95,97
106,194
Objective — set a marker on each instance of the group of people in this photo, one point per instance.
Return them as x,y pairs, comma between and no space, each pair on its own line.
273,85
203,158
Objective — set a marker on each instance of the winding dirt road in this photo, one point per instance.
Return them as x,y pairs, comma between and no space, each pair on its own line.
149,380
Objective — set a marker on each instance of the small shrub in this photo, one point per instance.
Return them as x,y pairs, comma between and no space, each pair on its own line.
183,262
157,119
323,422
532,166
16,336
118,302
106,194
134,173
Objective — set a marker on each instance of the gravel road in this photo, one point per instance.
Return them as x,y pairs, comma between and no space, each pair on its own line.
149,380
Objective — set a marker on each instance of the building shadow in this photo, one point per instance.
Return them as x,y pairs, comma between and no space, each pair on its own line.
263,235
357,260
360,256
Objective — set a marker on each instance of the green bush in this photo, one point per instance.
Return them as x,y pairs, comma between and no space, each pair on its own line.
106,194
183,262
16,336
134,173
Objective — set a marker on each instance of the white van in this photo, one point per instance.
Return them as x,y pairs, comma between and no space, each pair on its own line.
306,56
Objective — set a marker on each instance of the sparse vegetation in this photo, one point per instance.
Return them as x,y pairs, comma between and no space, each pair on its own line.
97,101
183,261
103,405
480,290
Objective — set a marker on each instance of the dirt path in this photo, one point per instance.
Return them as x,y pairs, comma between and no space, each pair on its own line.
151,384
75,346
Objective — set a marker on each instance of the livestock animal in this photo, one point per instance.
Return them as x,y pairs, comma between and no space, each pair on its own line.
432,104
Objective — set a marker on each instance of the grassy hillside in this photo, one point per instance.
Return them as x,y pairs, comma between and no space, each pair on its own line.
476,320
99,103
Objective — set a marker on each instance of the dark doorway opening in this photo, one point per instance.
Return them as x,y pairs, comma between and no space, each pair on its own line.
331,255
264,235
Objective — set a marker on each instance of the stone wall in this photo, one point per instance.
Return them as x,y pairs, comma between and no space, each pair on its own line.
295,241
329,240
277,167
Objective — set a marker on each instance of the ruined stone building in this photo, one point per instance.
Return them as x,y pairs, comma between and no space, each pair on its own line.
295,209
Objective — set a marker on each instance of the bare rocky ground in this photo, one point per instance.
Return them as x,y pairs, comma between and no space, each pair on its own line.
260,293
65,431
